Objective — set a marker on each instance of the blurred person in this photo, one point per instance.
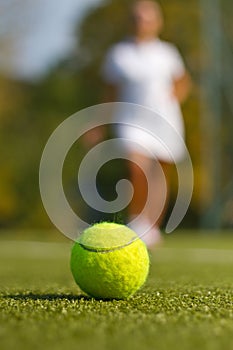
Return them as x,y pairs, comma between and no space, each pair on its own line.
147,71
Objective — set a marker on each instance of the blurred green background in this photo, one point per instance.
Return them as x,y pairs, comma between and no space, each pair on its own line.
30,109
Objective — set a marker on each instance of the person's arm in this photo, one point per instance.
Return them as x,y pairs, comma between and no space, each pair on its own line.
110,93
182,87
96,135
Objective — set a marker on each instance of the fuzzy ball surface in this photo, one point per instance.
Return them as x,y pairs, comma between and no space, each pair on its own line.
109,261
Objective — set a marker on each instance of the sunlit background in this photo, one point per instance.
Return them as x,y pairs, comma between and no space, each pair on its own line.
50,58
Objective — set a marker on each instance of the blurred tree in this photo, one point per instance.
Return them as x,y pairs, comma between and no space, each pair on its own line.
12,102
110,23
30,112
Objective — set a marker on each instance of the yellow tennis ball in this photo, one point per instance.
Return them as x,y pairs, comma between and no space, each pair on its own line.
109,261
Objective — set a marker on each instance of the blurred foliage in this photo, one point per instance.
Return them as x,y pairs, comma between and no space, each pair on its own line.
29,112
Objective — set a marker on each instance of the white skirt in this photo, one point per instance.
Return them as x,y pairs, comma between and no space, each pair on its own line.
147,132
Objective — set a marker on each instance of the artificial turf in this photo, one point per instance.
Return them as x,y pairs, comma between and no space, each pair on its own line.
187,302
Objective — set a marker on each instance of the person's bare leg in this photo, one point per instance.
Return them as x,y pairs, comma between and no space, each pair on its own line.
153,178
159,184
142,179
139,168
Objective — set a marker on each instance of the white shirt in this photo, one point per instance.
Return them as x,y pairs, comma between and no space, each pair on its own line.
144,74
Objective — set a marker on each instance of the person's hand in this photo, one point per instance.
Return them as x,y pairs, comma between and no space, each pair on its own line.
94,136
182,87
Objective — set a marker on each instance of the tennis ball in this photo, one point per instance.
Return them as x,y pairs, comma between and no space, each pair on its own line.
109,261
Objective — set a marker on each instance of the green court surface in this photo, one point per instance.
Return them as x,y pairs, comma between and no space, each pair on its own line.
187,302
